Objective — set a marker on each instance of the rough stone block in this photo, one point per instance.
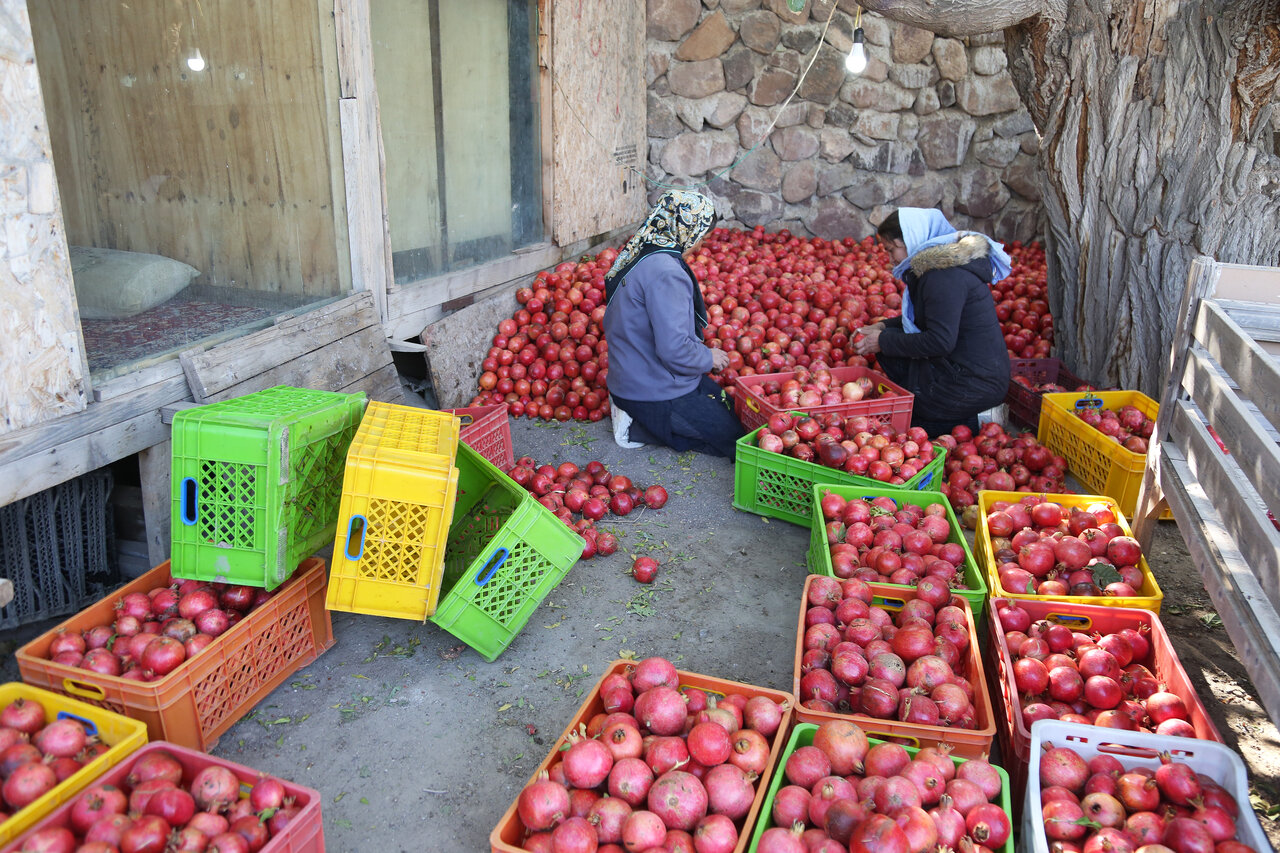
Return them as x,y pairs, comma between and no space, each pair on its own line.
771,87
984,96
833,218
709,40
885,97
1023,177
662,120
756,208
980,192
910,44
834,144
760,31
833,177
656,61
800,182
950,57
1014,124
761,170
913,76
783,11
877,125
670,20
822,83
926,191
997,151
927,103
795,143
738,68
696,79
944,139
989,60
692,154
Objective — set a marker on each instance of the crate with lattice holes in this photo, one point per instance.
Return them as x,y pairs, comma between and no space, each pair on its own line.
256,481
397,501
57,547
505,553
487,429
207,694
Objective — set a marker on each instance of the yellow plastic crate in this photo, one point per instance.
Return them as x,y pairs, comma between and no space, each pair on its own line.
398,494
1099,463
1148,598
422,438
122,734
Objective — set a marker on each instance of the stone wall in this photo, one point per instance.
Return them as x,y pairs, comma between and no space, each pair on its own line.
931,122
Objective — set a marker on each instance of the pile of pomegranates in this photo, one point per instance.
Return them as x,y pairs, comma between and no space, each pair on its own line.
659,766
805,390
156,631
582,496
36,754
1102,804
160,808
1099,679
859,445
998,460
880,540
1127,426
857,657
1041,547
774,302
845,794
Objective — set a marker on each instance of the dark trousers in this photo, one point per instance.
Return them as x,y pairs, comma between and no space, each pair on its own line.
700,421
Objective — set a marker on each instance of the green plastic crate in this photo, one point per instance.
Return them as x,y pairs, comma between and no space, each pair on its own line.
504,554
802,735
256,482
781,486
820,552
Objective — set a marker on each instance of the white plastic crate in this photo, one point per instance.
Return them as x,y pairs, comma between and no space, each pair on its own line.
1136,749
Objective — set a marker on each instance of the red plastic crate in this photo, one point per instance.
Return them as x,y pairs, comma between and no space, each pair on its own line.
304,834
752,409
208,694
487,430
1024,404
1015,736
965,743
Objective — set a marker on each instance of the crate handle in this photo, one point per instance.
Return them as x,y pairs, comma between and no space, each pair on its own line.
84,689
360,531
464,420
924,484
883,389
187,498
887,737
890,603
1088,401
1071,619
90,725
752,405
501,556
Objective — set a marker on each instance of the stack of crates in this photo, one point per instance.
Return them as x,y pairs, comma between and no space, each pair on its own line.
398,494
256,482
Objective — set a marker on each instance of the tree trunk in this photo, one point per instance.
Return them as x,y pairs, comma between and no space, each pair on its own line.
1158,145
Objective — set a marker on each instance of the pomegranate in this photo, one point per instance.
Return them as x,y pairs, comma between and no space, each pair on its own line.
215,788
679,799
542,804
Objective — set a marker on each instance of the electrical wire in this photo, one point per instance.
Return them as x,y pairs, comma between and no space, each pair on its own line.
763,137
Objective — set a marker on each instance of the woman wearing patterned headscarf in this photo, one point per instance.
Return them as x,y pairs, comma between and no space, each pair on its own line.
658,363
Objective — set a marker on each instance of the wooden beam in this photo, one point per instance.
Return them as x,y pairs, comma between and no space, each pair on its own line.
155,465
1246,362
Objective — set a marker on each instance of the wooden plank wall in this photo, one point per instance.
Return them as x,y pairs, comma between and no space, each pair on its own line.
43,372
598,116
229,169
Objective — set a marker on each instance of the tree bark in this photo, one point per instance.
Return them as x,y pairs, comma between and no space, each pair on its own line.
1157,145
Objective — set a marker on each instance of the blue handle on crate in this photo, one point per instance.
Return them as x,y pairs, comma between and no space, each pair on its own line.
1089,402
364,527
924,484
188,501
91,728
501,556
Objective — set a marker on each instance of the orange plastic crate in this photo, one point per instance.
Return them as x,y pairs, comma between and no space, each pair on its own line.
1015,736
1149,596
304,834
193,705
753,410
487,430
508,835
966,743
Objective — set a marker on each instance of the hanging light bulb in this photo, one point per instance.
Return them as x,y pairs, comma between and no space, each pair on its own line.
856,61
196,62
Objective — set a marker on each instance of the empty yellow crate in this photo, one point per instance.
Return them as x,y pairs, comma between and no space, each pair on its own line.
398,494
1100,464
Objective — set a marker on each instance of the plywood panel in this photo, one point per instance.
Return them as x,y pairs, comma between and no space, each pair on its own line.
1248,283
228,168
598,113
43,373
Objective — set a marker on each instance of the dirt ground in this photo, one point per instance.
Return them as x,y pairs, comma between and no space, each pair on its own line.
416,743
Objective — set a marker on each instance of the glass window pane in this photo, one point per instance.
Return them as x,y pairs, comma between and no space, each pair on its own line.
458,100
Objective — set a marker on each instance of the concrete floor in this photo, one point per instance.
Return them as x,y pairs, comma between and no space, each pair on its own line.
418,744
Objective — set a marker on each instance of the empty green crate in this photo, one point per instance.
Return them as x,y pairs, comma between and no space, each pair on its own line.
256,482
781,486
504,554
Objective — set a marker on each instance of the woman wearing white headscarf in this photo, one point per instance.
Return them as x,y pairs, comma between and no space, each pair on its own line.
658,363
946,347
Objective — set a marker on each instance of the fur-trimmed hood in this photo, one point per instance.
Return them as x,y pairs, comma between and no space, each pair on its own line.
969,247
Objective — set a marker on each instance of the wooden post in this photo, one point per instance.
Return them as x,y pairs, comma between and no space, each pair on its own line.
1201,281
154,467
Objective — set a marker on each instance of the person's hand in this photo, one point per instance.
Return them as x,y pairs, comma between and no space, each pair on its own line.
869,342
719,359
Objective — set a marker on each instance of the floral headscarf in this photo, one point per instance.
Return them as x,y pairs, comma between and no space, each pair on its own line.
680,219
